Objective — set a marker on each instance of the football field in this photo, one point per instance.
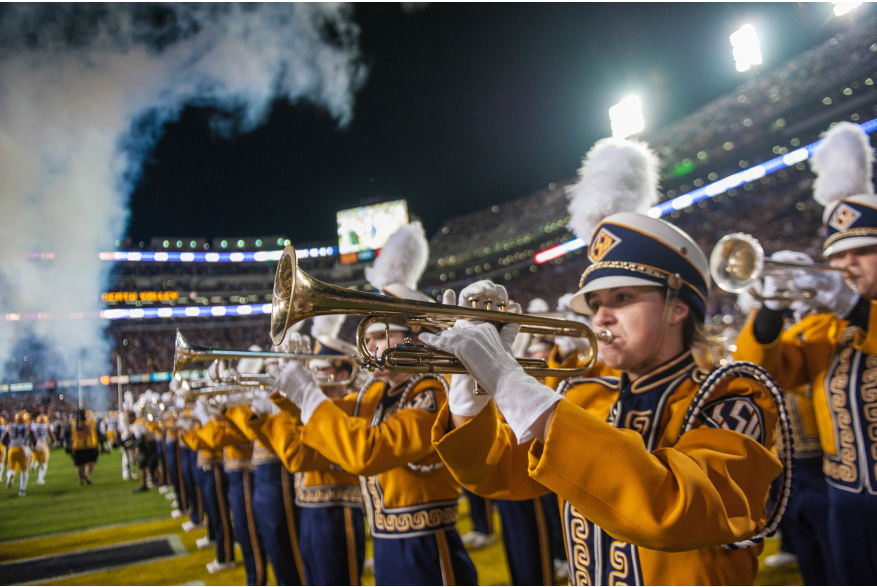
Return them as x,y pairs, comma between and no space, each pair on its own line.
120,538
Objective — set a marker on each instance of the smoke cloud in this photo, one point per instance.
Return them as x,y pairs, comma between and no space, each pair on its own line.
84,93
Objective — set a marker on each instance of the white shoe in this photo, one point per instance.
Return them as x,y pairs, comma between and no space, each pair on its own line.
40,482
477,540
189,525
368,564
170,496
9,482
175,504
21,494
217,567
176,514
164,489
204,542
779,559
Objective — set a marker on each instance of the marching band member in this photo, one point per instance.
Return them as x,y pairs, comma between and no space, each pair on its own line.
332,524
275,512
19,437
43,436
188,464
835,351
382,435
170,427
649,489
125,435
214,490
237,454
805,534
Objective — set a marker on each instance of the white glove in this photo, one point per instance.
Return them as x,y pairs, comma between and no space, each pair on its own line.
461,400
200,413
772,284
832,293
748,303
274,370
301,388
568,345
262,405
487,355
180,402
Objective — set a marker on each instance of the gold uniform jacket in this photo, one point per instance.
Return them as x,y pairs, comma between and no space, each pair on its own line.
382,434
839,363
638,506
318,481
249,425
237,449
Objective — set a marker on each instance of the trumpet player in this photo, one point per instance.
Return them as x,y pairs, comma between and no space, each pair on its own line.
834,350
276,517
382,434
648,491
329,498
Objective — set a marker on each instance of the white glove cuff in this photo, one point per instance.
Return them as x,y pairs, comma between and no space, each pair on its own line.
461,400
522,401
312,397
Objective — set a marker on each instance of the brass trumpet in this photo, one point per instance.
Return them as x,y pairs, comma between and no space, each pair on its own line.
298,296
185,353
738,260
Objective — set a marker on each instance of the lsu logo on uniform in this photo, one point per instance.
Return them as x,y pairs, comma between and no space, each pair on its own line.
603,242
736,413
844,217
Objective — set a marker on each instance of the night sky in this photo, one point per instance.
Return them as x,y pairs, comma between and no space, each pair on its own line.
465,106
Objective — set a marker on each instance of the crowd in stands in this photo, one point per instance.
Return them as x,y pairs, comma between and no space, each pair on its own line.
767,97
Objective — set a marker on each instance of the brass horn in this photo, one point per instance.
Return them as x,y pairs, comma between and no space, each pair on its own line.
298,296
738,260
186,352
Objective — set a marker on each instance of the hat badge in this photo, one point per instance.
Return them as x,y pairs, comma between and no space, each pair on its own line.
603,242
844,216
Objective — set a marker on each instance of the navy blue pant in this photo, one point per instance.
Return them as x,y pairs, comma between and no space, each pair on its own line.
189,469
276,523
172,453
214,489
805,523
423,560
528,534
481,512
333,544
162,458
240,498
852,523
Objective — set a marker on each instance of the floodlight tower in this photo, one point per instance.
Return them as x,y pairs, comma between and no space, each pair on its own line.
841,8
626,117
747,52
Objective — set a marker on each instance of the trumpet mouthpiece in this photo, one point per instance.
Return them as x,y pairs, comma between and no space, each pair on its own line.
604,336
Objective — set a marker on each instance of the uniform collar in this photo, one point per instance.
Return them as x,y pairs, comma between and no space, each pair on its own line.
659,376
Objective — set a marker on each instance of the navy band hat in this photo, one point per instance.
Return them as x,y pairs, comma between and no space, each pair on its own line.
850,223
630,249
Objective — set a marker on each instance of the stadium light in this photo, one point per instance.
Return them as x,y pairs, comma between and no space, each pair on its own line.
841,8
626,117
747,52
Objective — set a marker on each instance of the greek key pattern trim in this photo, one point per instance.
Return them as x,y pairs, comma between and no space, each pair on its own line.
326,494
427,520
868,391
847,469
579,532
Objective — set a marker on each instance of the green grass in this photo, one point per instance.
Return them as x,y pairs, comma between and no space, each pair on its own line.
61,505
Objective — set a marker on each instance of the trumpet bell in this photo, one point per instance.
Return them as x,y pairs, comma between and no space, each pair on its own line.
736,261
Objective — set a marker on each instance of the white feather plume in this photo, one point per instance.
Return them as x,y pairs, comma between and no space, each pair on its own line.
616,175
842,163
402,259
328,325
